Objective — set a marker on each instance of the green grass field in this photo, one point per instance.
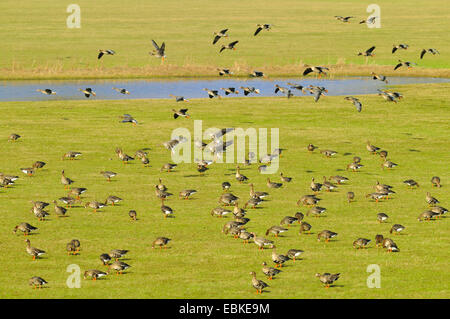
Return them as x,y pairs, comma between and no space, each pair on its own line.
202,262
36,42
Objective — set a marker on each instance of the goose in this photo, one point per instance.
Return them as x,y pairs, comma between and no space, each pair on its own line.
245,236
29,171
383,187
132,214
71,249
94,205
226,186
338,179
125,158
354,166
394,95
229,46
276,230
361,243
65,180
112,200
427,215
94,274
396,229
76,243
102,52
350,196
181,112
297,87
381,217
230,225
161,242
168,167
379,77
356,102
46,91
316,69
436,181
88,92
230,90
388,164
288,220
212,93
118,253
285,178
404,63
35,252
37,282
59,211
127,118
179,98
411,183
390,245
299,216
259,195
71,155
108,175
270,272
121,90
105,258
371,148
247,90
376,196
432,51
239,177
201,168
77,191
431,201
278,259
228,199
383,154
379,240
119,267
220,212
273,184
69,201
257,74
166,210
223,72
343,19
399,46
220,34
315,187
25,228
252,202
308,200
328,153
304,227
328,185
294,253
368,52
39,213
186,193
259,285
328,279
327,235
317,91
159,51
260,27
5,180
439,210
316,211
14,137
238,212
38,164
387,97
39,204
261,241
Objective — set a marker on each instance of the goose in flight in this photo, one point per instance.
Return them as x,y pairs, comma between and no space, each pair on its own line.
88,92
179,98
121,90
223,72
127,118
229,46
261,27
355,102
379,77
343,19
230,90
317,69
399,46
257,74
212,93
46,91
368,52
297,87
432,51
406,63
103,52
218,35
159,51
248,90
181,112
371,20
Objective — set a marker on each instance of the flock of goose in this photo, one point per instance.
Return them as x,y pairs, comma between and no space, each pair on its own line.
236,226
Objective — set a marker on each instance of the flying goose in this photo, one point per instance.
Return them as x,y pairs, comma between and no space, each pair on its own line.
121,90
316,69
328,279
432,51
179,98
379,77
257,74
159,51
88,92
220,34
127,118
247,90
229,46
46,91
260,27
259,285
343,19
230,90
181,112
356,102
223,72
317,91
212,93
368,52
406,63
371,20
103,52
399,46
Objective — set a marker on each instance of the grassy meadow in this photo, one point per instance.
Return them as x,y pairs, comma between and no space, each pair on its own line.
36,43
201,262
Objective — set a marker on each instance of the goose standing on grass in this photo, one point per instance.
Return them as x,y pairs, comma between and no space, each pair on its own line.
94,205
37,282
354,166
390,245
259,195
411,183
219,35
278,259
29,171
88,92
226,186
371,20
168,167
368,52
25,228
399,46
77,191
328,153
166,210
294,253
270,272
327,235
102,52
261,241
379,77
108,175
288,220
401,63
431,201
94,274
35,252
260,27
432,51
316,69
371,148
273,184
311,148
38,164
159,51
59,210
328,279
381,217
304,227
105,258
239,177
328,185
356,102
186,193
133,214
65,180
316,211
112,200
388,164
121,90
46,91
14,137
436,181
118,253
228,199
71,155
427,215
379,240
259,285
276,230
439,210
315,187
69,201
285,178
161,242
119,267
396,229
361,243
229,46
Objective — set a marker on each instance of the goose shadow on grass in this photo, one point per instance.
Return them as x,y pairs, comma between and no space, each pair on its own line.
199,175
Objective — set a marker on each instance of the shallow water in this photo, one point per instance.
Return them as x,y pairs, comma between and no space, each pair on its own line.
152,89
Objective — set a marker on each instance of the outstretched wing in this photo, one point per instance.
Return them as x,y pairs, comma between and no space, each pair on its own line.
394,49
307,71
100,55
423,53
232,44
258,30
358,105
155,45
370,50
223,31
163,47
397,66
216,38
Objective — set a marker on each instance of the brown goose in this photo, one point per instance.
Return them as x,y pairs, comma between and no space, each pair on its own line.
381,217
219,212
161,186
379,240
270,272
25,228
390,245
288,220
168,167
328,153
77,191
239,177
252,202
39,213
35,252
439,210
37,282
311,148
94,274
388,164
238,212
299,216
119,267
278,259
431,201
276,230
161,242
186,193
38,164
261,241
328,185
294,253
338,179
396,229
304,227
112,200
259,285
105,258
308,200
118,253
259,195
161,194
65,180
69,201
59,210
328,279
166,210
94,205
411,183
316,211
71,249
361,243
285,178
125,158
228,199
354,166
372,148
71,155
133,214
29,171
245,236
108,175
315,187
427,215
14,137
436,181
327,235
273,184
